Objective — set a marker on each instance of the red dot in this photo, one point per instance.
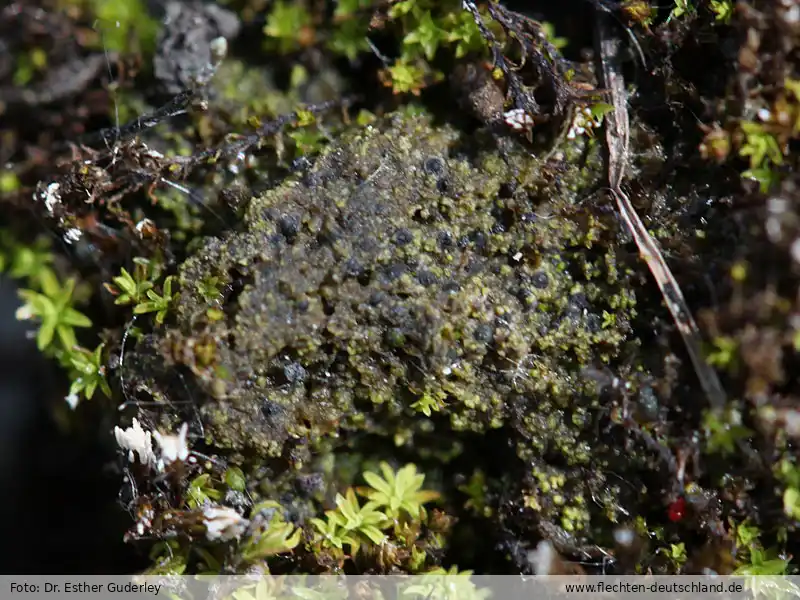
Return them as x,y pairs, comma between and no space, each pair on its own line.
677,510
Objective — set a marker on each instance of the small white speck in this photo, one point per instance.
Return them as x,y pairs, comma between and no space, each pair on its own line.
583,122
50,196
517,257
72,400
542,558
791,419
24,313
764,114
72,235
795,250
447,371
150,152
219,48
173,447
142,224
624,537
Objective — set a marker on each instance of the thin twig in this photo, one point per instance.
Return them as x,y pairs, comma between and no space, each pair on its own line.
178,105
617,129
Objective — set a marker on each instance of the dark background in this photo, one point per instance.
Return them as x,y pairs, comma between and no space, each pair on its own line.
58,489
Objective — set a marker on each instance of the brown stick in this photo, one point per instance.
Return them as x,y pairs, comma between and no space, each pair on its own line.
617,130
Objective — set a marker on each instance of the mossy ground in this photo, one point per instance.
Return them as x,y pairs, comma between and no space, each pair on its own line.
417,282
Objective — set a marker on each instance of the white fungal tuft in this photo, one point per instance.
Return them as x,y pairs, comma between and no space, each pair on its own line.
223,523
518,119
173,447
72,399
72,235
51,196
583,122
136,440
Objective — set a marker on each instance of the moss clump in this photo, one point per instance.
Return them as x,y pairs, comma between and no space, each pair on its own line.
409,281
391,270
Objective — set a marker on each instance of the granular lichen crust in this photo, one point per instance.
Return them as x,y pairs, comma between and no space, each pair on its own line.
410,274
413,285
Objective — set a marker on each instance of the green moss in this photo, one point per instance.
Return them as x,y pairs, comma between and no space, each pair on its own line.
289,26
682,8
29,65
119,21
722,9
724,430
789,473
8,183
